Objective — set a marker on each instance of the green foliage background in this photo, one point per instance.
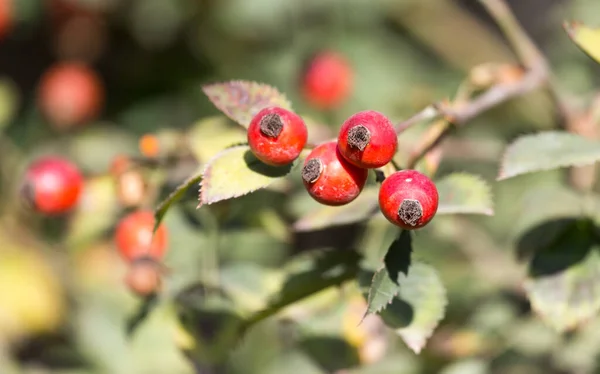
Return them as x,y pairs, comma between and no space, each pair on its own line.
63,305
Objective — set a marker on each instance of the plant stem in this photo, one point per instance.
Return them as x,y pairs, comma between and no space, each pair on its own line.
429,113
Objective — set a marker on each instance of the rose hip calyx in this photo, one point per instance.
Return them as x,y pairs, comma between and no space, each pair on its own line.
359,137
271,125
410,211
312,170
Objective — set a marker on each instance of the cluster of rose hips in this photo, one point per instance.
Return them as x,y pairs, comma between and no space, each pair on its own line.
335,172
53,186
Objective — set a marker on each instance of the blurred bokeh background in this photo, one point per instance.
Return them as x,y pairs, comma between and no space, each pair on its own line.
63,303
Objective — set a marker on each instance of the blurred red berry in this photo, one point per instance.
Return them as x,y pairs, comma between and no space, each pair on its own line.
276,136
367,139
70,94
52,185
328,81
330,179
135,240
144,277
6,17
408,199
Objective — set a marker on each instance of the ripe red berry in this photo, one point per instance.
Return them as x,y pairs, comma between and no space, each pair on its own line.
6,17
368,139
134,238
52,185
276,136
408,199
70,94
330,179
144,277
328,81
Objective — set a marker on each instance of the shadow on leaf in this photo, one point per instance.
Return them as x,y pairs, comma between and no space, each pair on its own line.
398,257
398,314
330,352
555,246
260,167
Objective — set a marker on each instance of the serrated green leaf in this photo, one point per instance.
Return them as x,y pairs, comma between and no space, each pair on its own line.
174,197
464,193
586,38
211,135
326,216
564,277
236,172
382,291
547,150
242,100
419,306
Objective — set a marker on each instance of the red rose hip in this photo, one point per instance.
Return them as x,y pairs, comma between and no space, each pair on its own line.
408,199
368,140
134,239
330,179
328,80
52,185
70,94
276,136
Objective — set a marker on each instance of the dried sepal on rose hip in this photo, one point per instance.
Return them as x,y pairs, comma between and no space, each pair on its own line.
368,140
408,199
52,185
135,240
330,179
276,136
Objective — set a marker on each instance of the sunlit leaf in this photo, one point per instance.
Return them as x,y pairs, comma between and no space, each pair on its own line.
464,193
326,216
382,291
547,150
211,135
242,100
174,197
419,306
586,38
564,277
236,172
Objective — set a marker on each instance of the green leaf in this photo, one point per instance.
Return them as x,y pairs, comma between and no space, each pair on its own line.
586,38
464,193
382,291
358,210
236,172
419,306
384,285
242,100
564,276
547,150
174,197
308,275
211,135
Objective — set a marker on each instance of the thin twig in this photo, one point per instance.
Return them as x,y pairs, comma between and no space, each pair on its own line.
426,114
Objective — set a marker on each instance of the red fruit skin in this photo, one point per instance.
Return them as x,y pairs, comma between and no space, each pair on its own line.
328,81
6,17
133,237
383,143
284,148
52,185
340,182
70,94
408,184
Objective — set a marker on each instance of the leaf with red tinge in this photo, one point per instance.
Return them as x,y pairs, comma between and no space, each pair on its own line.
242,100
586,38
236,172
546,151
